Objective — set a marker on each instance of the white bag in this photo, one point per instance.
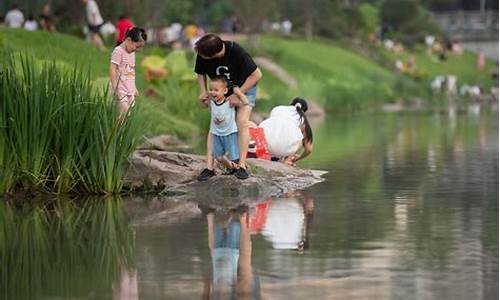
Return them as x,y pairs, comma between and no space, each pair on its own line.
283,136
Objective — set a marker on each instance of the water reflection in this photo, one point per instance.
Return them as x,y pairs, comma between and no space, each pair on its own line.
63,248
285,222
288,221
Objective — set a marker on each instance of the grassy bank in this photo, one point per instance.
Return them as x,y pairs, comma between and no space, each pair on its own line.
336,77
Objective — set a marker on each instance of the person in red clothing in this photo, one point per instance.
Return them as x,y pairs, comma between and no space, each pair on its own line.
123,25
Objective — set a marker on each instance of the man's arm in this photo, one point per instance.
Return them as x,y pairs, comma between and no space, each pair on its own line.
202,83
251,80
237,91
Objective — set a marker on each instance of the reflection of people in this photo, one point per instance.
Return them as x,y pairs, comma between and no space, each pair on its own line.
286,129
127,287
231,251
288,223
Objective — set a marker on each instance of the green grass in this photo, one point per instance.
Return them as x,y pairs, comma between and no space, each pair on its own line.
337,78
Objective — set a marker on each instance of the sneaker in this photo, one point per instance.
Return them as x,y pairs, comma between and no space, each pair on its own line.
206,174
241,173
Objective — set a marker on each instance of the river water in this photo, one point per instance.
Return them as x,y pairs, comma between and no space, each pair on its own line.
408,210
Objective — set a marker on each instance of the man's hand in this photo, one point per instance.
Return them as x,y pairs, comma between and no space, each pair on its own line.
204,99
234,100
237,91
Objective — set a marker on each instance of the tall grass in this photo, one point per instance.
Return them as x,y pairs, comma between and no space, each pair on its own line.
57,133
64,249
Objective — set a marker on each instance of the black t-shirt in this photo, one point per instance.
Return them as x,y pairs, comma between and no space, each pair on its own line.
236,64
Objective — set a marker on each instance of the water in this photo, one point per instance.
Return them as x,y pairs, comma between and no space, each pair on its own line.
408,210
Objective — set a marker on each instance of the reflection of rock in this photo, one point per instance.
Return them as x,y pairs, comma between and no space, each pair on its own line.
152,212
177,173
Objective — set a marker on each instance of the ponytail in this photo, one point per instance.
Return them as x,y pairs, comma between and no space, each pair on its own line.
301,107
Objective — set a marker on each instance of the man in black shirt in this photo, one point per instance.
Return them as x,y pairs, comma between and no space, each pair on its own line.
216,57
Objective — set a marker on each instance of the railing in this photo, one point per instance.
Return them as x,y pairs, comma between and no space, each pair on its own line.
469,25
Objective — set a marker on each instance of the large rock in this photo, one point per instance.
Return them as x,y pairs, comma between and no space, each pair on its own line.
175,174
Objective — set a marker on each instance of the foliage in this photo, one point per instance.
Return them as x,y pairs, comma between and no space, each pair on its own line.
370,18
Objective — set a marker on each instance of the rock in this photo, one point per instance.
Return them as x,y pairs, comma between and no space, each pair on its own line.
166,143
175,173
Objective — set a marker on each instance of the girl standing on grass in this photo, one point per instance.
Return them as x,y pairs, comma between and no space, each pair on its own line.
122,68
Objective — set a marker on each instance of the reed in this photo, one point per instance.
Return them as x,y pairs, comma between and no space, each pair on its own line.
58,133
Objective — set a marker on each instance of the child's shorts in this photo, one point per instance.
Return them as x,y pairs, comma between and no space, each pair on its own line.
226,144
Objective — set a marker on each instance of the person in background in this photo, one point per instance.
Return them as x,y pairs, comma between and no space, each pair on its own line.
14,17
95,21
122,69
481,60
31,24
46,20
122,26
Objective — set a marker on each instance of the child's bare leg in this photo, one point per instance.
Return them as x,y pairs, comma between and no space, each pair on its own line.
210,157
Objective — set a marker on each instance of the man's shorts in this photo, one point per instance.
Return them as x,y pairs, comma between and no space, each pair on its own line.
226,144
252,96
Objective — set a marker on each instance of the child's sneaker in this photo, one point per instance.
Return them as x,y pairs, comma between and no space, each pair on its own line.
206,174
241,173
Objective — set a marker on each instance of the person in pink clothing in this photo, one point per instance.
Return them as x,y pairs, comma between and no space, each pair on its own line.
122,68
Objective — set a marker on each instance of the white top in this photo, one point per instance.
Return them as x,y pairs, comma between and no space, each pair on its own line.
223,118
284,223
14,18
93,15
31,25
287,111
282,130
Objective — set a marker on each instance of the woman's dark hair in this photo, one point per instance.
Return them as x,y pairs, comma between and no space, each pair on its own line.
136,34
209,45
301,107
